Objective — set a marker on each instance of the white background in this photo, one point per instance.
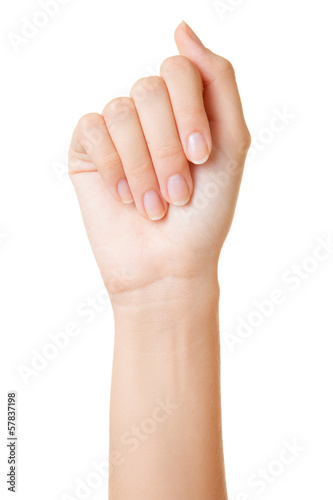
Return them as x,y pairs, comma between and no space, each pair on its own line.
277,383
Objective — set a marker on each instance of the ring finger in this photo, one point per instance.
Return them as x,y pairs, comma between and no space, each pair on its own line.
126,132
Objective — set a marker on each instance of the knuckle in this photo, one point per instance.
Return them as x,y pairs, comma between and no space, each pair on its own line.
247,140
110,160
89,122
169,152
140,169
118,109
224,65
190,111
174,63
90,128
147,86
242,141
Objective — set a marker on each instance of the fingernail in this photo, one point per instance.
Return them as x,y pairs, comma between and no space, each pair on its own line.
191,33
178,190
153,204
124,191
197,148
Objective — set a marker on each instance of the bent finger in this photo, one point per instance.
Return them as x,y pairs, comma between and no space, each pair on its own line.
185,88
91,141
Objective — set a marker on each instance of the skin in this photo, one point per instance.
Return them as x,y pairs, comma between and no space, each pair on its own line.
157,245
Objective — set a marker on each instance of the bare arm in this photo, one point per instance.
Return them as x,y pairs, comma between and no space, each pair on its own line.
165,398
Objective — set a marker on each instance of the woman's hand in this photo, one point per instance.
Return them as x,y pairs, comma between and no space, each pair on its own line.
176,147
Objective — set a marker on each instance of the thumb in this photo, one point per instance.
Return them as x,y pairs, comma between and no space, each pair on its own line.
222,100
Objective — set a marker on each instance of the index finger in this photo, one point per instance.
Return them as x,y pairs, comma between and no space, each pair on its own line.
185,88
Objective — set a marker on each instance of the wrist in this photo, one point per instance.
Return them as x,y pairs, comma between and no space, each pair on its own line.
168,314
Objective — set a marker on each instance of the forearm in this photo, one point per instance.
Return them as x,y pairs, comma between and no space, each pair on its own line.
165,418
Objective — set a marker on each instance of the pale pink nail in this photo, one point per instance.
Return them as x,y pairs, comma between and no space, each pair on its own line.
153,204
197,148
178,190
124,191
